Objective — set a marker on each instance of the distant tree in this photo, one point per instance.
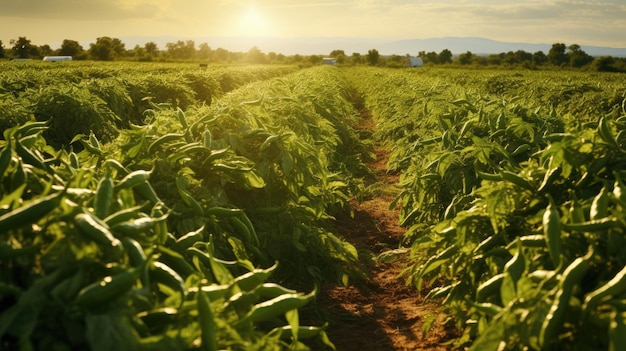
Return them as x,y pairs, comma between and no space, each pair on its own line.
236,56
276,57
479,60
139,53
428,57
151,49
604,64
445,56
577,57
395,61
181,49
557,55
356,58
373,57
315,59
204,51
2,50
106,49
255,55
523,56
620,64
539,58
221,55
296,58
118,47
465,58
509,58
102,49
341,59
336,53
495,59
71,48
22,48
45,50
515,58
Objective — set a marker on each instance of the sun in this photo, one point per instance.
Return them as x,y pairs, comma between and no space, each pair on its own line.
253,23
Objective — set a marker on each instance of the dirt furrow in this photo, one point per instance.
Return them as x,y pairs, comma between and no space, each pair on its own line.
384,313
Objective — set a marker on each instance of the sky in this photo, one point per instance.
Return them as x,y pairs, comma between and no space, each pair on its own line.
584,22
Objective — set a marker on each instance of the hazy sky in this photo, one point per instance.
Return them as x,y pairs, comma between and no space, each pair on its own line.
584,22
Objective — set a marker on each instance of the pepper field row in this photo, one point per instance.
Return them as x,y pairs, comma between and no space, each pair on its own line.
512,195
104,97
188,230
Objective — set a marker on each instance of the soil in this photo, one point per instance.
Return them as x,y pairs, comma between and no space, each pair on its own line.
383,313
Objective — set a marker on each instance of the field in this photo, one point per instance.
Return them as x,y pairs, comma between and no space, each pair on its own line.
169,206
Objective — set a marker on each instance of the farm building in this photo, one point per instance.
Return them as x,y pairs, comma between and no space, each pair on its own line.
57,58
414,62
329,61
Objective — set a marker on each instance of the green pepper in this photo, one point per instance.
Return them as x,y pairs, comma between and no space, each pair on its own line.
207,322
572,276
108,289
552,231
30,213
272,308
104,196
615,286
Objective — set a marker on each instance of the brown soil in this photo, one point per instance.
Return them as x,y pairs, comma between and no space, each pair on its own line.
383,313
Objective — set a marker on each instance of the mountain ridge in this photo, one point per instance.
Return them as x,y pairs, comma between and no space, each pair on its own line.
385,46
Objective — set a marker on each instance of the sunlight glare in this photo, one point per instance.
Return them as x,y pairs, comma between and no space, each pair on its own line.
253,23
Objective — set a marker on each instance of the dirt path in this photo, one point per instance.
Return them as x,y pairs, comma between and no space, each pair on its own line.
384,314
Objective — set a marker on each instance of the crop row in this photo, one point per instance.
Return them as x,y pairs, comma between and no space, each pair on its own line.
513,200
187,231
103,98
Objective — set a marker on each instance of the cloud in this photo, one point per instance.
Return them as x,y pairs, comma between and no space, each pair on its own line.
498,10
305,4
81,9
383,4
571,21
369,4
539,21
530,21
507,11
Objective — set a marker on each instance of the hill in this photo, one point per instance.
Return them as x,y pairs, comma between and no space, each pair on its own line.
385,46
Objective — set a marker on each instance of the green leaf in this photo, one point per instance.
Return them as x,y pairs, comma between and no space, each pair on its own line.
14,196
492,339
239,250
135,149
253,180
293,318
110,332
507,290
286,162
222,274
21,319
427,324
326,341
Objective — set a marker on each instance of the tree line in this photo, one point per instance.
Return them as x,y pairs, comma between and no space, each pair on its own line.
559,55
109,49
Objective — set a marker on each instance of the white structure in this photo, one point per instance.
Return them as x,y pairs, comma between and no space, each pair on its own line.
414,62
57,58
329,61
